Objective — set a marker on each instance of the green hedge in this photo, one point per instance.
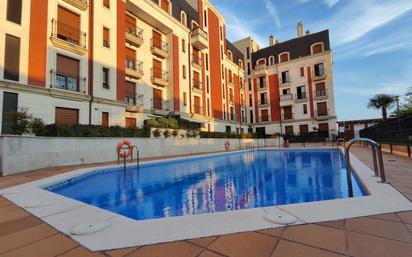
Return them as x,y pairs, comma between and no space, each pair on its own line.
224,135
95,131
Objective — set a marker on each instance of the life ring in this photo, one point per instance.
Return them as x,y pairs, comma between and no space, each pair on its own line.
227,145
124,149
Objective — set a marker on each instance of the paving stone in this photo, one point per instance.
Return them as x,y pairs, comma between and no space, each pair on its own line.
81,252
120,252
175,249
292,249
272,231
204,241
18,224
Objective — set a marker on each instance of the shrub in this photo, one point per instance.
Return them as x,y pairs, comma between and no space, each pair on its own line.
37,127
166,133
172,123
156,133
163,123
175,133
21,121
152,123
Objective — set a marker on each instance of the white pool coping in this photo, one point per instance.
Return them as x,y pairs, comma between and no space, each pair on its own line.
65,213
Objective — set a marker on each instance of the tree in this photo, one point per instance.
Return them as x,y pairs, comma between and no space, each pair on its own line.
383,102
406,108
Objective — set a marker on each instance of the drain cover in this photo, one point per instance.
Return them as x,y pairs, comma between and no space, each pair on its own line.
279,217
89,228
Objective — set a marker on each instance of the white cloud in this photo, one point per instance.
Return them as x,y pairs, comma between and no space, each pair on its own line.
271,8
331,3
357,18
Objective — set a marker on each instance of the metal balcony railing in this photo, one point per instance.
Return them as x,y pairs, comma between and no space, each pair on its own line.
319,72
263,102
301,96
134,31
61,80
320,93
196,59
134,64
322,112
158,44
197,84
159,74
68,33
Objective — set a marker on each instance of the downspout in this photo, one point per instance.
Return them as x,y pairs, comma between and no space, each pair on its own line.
90,41
190,72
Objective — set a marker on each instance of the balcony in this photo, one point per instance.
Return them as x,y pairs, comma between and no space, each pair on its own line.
263,103
199,39
322,114
286,100
68,38
159,77
302,98
62,81
197,86
321,94
134,68
284,83
263,87
133,105
260,70
197,61
159,48
160,107
80,4
287,116
319,74
134,35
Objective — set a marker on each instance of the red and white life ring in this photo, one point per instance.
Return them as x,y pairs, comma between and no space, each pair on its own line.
124,149
227,145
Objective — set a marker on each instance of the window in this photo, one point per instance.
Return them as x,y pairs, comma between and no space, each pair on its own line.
264,115
165,5
320,89
12,58
221,33
196,104
224,111
248,69
262,83
68,27
194,25
157,69
130,122
242,117
271,60
208,107
305,109
303,130
130,58
105,119
230,76
347,126
285,77
319,70
223,72
289,130
14,11
130,93
184,71
251,116
229,55
250,100
106,3
196,80
301,92
205,15
248,53
66,116
221,52
302,71
183,18
106,78
67,73
318,48
231,96
184,99
157,99
106,37
207,84
249,82
10,102
287,113
232,113
183,45
322,109
263,98
224,93
286,91
240,63
284,57
207,62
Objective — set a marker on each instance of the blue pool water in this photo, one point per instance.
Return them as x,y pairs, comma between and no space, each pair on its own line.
211,184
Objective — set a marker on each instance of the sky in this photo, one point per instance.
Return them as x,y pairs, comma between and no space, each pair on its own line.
371,41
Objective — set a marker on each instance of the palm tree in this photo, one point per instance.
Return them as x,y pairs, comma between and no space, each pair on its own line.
383,102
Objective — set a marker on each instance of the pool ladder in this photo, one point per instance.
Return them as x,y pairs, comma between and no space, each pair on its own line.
131,157
377,161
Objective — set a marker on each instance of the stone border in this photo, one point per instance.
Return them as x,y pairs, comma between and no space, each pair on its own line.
65,213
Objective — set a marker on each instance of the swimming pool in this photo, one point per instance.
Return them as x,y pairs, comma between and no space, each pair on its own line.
224,182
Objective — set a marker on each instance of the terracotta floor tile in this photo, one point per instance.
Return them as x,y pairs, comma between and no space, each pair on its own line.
175,249
381,228
389,216
340,224
18,224
291,249
24,237
204,241
81,252
48,247
248,244
209,254
120,252
406,217
369,246
318,236
272,231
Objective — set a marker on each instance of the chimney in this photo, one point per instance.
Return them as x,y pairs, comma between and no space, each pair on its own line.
271,40
300,29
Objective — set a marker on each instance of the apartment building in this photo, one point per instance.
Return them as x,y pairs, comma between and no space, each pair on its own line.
107,62
119,63
291,85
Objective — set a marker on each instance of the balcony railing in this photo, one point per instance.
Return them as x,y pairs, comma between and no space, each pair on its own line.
263,86
159,47
130,100
197,84
160,105
301,97
81,4
61,80
74,39
134,68
319,74
287,116
321,112
134,35
159,77
320,94
287,97
263,102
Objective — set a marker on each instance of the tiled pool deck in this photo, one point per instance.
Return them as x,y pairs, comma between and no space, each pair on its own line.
389,235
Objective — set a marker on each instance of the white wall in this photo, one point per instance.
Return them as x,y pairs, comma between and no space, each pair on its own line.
20,153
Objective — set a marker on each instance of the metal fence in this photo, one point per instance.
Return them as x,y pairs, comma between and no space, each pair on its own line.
394,132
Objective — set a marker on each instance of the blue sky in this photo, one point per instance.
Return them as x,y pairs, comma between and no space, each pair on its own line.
371,40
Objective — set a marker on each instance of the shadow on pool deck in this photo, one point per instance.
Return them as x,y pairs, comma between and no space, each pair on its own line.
388,235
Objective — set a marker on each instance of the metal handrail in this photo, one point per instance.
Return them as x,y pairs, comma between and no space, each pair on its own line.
377,154
137,155
340,140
